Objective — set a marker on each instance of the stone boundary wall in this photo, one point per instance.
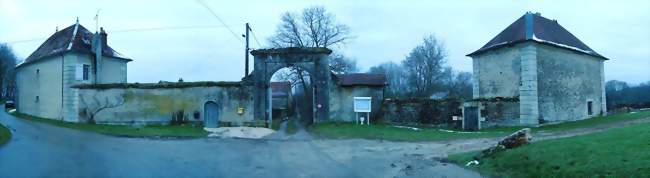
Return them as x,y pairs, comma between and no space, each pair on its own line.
420,111
165,103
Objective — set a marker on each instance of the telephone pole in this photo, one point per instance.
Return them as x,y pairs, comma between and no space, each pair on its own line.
248,29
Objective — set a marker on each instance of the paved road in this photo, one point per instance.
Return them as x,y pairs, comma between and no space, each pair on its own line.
41,150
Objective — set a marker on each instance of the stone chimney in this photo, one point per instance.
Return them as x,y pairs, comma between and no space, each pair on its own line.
103,34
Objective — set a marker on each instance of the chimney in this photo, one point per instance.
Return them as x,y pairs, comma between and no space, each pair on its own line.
97,46
104,35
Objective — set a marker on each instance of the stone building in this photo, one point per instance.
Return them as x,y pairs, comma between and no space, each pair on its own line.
69,57
536,71
347,86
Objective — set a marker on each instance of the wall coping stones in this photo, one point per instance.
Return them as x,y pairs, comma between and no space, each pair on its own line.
158,85
292,50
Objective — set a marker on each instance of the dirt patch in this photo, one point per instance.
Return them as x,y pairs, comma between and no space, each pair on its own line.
239,132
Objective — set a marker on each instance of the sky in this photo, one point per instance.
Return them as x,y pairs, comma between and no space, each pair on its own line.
382,31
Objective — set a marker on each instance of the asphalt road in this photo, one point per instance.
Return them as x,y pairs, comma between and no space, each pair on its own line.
41,150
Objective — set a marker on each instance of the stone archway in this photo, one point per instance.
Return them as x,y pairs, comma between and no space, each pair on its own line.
313,60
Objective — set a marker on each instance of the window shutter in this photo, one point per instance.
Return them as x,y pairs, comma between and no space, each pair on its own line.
79,72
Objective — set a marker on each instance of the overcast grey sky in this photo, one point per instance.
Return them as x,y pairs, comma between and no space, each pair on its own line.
384,30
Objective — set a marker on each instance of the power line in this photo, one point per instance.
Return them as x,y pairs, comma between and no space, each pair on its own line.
133,30
220,20
256,41
25,41
165,28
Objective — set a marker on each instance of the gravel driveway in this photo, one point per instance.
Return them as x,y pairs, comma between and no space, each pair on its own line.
41,150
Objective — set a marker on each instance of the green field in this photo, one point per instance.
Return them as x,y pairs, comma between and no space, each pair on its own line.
5,134
342,130
620,152
126,130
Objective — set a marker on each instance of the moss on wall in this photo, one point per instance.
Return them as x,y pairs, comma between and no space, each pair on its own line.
156,85
163,104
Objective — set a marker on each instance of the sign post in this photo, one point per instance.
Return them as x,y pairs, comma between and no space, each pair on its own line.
362,105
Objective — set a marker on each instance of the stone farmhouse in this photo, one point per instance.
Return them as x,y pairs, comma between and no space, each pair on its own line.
69,57
534,72
75,76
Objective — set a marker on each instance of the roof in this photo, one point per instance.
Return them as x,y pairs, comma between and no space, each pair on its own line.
534,27
364,79
280,89
74,38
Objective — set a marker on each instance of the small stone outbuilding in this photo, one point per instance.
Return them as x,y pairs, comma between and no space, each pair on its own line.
535,71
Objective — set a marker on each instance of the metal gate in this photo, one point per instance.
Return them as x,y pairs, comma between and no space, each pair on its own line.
211,114
470,118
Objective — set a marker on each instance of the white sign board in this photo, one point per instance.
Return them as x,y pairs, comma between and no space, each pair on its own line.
362,104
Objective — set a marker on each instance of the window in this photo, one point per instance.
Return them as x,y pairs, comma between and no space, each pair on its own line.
86,70
590,108
38,71
36,99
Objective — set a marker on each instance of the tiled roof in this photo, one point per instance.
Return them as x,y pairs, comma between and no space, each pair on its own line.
534,27
73,38
364,79
280,89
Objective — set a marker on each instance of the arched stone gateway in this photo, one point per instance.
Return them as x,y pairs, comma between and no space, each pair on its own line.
211,114
313,60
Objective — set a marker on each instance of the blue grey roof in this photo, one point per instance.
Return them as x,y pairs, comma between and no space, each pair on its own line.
73,38
534,27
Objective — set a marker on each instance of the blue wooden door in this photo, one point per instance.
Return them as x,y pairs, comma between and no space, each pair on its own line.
211,114
471,118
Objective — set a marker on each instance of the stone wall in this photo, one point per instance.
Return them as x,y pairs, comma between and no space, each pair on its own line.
567,80
419,111
497,73
160,103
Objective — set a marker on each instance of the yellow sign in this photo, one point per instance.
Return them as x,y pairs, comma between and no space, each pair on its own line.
240,110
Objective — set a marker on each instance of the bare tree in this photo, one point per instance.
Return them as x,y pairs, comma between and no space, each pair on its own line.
460,85
7,72
397,85
97,105
425,67
314,27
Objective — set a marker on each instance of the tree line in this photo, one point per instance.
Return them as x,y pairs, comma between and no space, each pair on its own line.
424,72
621,94
7,72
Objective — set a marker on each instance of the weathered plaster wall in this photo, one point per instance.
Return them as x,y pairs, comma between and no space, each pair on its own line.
566,81
497,73
158,105
70,95
342,101
46,84
113,70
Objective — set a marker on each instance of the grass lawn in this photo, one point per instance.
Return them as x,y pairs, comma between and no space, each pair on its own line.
5,134
620,152
389,132
291,126
126,130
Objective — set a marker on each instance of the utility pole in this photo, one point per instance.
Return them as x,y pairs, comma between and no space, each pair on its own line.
248,29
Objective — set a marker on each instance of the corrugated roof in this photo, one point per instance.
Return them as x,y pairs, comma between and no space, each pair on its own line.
280,89
364,79
534,27
73,38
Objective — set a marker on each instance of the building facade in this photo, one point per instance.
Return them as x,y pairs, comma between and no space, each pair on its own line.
69,57
535,71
